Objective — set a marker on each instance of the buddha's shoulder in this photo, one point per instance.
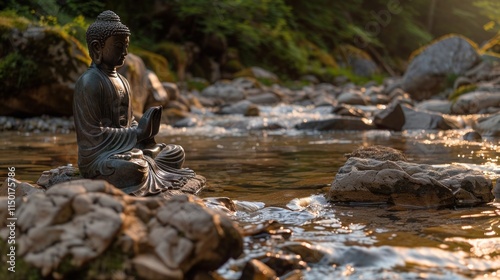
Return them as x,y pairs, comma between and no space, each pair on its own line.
90,76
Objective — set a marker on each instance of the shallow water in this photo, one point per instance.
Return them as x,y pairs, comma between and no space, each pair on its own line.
282,175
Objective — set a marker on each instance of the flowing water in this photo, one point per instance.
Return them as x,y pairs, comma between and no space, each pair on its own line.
282,175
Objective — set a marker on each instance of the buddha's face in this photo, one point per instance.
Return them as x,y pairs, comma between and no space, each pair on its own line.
114,51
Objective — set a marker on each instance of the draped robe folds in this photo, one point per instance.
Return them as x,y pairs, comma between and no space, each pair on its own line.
105,127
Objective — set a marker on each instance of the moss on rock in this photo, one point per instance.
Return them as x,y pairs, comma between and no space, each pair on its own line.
33,57
156,62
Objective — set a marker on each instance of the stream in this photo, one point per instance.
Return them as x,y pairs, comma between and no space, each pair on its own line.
282,174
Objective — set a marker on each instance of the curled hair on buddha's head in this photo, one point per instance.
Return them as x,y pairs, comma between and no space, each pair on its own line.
106,25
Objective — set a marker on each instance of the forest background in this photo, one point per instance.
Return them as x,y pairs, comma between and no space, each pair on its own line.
291,38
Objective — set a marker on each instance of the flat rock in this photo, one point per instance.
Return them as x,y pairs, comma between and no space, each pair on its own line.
77,224
337,123
408,185
476,102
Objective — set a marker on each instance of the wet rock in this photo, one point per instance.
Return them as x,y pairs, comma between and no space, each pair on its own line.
429,69
473,136
351,111
400,117
379,99
283,264
324,100
310,79
377,152
496,191
266,98
408,185
267,229
172,90
352,98
224,91
224,204
435,105
337,123
256,270
247,83
258,73
244,107
37,124
76,225
59,175
305,251
475,102
356,59
488,126
18,188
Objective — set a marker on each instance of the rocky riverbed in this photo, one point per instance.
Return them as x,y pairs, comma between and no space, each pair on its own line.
394,113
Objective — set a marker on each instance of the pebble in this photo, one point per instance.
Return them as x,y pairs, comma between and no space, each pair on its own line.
37,124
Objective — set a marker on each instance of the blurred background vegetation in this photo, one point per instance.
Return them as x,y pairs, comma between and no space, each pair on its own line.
291,38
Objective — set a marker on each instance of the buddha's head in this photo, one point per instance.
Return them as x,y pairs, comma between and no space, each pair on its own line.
107,40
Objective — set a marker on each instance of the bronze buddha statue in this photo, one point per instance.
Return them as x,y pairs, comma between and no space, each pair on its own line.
112,145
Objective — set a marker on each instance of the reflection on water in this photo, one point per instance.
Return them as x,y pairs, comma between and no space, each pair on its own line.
282,177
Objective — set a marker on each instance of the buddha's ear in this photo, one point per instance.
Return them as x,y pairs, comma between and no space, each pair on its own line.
96,51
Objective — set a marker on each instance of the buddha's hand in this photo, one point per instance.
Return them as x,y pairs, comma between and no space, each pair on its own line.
144,128
124,156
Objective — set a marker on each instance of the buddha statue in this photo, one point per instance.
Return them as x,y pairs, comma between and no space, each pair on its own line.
112,145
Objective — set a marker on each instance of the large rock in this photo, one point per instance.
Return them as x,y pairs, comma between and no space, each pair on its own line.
337,123
408,185
488,126
476,102
400,117
447,57
91,229
39,70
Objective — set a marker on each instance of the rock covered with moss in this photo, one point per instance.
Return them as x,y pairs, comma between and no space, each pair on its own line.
39,67
95,230
432,65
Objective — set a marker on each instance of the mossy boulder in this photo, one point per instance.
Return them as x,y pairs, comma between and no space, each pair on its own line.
359,61
38,68
156,62
176,56
434,67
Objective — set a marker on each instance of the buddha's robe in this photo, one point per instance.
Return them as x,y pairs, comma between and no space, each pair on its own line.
106,130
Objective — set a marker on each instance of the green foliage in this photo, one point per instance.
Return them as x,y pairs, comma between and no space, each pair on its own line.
329,74
77,28
461,90
288,37
16,72
490,8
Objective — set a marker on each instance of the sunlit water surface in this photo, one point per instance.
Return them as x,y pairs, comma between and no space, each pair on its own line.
282,175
